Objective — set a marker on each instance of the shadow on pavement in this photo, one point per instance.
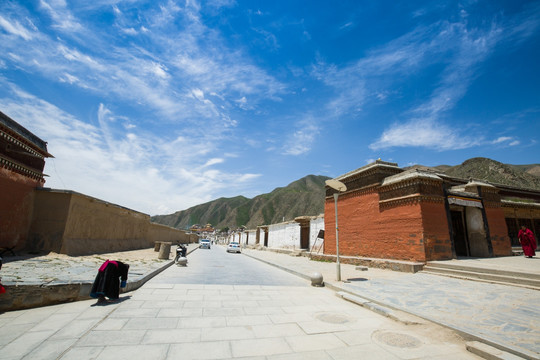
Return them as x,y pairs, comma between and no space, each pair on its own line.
112,302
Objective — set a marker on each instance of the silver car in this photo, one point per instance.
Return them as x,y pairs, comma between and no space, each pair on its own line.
204,244
233,247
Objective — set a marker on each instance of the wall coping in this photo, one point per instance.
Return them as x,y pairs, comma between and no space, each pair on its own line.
373,165
410,175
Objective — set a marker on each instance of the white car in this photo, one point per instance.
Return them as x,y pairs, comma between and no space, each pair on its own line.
204,244
233,247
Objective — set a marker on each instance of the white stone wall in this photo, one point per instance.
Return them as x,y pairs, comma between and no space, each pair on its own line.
316,224
242,238
251,237
284,235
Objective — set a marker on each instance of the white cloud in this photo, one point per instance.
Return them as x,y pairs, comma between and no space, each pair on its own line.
68,78
506,140
213,161
155,76
63,19
15,28
129,31
247,177
129,167
159,70
423,133
302,140
502,139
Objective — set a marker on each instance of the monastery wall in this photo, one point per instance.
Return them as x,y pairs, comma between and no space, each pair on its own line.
16,201
75,224
367,231
437,243
498,231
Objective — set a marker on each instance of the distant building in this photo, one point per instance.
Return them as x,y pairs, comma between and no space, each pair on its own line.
420,215
198,229
22,160
207,229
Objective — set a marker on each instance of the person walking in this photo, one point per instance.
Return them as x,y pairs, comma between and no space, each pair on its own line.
107,281
527,241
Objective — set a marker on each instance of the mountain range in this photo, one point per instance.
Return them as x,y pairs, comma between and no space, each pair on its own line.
301,197
306,196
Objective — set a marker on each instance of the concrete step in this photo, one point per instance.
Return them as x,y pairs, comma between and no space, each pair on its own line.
481,270
530,281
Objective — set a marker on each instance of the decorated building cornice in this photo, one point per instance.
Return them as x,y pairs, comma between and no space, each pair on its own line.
21,169
411,183
411,199
20,136
371,174
370,189
520,204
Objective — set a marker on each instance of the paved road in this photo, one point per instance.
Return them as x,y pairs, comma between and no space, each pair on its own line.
210,310
216,267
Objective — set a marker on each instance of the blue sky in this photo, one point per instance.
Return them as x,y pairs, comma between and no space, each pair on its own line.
162,105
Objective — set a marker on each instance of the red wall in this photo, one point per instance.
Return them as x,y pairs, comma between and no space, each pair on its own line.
436,232
367,231
498,232
16,203
411,231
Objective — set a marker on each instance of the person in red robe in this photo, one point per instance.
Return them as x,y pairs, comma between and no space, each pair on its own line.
107,282
527,241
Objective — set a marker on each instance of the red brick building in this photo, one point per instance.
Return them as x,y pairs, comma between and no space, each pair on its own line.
420,215
22,159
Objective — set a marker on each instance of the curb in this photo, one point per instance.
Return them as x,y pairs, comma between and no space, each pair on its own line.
488,349
20,297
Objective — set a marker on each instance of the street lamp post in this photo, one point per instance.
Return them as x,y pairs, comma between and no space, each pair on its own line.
339,187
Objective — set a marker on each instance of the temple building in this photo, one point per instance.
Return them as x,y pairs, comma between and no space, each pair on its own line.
422,215
22,160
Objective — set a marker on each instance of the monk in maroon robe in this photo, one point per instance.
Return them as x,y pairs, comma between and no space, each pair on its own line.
527,241
107,282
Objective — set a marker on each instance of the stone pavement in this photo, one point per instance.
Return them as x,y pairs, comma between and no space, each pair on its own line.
503,316
506,317
170,319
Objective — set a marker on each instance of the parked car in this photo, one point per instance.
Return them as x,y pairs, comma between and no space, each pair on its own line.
204,244
233,247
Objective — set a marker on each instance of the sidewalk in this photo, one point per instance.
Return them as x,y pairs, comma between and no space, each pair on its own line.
505,317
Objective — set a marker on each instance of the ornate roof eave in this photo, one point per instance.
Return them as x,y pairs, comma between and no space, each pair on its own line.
410,175
21,169
355,192
509,203
19,133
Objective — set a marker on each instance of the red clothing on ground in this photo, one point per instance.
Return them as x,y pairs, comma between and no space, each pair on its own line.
528,242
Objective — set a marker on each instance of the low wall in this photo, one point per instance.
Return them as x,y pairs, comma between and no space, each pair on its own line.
70,223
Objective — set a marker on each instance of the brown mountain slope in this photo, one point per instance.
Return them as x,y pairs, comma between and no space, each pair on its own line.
495,172
306,196
302,197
